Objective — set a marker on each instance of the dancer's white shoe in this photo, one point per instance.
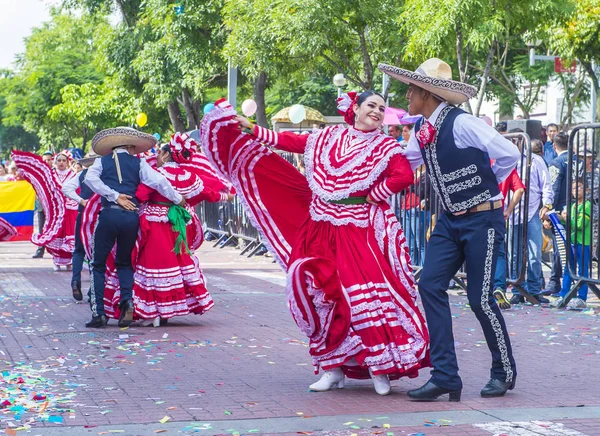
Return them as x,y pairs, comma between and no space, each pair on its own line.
329,379
155,322
381,384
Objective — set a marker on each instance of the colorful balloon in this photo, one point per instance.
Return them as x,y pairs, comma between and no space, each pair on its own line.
249,107
208,107
297,113
157,136
141,119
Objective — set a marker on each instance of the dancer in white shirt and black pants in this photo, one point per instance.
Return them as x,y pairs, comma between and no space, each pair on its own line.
456,148
116,177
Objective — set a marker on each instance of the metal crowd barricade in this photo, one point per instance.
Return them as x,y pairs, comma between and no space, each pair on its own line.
582,210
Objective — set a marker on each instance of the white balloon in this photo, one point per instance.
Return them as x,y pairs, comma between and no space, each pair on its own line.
249,107
297,113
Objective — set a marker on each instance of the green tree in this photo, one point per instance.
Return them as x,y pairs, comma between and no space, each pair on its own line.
482,35
579,38
57,54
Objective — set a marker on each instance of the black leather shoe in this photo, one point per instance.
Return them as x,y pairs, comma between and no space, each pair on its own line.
517,299
126,313
542,299
430,391
497,388
97,322
38,254
76,287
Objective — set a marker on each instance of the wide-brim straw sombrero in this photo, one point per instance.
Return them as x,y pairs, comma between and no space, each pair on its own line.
88,160
435,76
105,140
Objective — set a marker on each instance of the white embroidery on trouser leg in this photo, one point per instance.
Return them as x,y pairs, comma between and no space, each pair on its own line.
92,285
488,310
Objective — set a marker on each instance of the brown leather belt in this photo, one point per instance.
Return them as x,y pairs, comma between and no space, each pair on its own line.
483,207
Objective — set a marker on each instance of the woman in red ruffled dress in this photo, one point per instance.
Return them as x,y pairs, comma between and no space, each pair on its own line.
61,247
168,281
350,284
58,234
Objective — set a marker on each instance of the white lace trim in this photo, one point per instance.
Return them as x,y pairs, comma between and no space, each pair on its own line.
372,139
311,152
339,214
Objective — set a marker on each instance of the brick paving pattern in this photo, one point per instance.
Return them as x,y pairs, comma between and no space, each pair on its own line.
246,359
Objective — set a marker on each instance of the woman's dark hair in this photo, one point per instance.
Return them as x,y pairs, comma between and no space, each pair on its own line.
166,148
363,96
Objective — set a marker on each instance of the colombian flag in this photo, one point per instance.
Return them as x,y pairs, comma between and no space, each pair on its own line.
17,202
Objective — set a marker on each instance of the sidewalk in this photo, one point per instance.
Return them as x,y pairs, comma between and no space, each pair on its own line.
243,367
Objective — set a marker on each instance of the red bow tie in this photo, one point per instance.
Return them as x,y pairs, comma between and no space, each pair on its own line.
426,134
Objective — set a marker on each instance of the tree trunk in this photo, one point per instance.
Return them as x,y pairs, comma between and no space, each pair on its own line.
367,63
84,139
462,65
484,79
175,116
566,121
260,84
595,82
193,120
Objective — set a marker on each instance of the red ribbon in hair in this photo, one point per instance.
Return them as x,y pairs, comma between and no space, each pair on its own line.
345,103
180,142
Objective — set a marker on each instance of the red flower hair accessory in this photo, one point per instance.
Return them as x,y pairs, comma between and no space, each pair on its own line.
426,134
180,142
345,103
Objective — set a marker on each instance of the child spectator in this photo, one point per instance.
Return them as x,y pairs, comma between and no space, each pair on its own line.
581,238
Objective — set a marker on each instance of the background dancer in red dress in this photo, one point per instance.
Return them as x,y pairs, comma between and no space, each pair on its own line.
350,284
61,248
58,233
168,281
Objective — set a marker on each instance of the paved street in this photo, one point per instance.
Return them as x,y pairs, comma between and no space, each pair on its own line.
243,368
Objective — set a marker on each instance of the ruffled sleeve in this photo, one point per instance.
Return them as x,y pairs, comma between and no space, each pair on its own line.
285,141
193,189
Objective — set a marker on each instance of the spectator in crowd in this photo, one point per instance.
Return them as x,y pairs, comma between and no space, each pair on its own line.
48,158
581,236
501,127
410,217
13,173
395,132
406,129
558,177
3,174
540,193
589,173
514,184
537,148
76,167
549,153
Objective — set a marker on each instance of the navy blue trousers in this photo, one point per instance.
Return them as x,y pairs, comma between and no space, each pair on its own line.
474,239
79,251
120,226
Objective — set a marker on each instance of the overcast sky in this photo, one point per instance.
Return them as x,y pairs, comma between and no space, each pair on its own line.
17,17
